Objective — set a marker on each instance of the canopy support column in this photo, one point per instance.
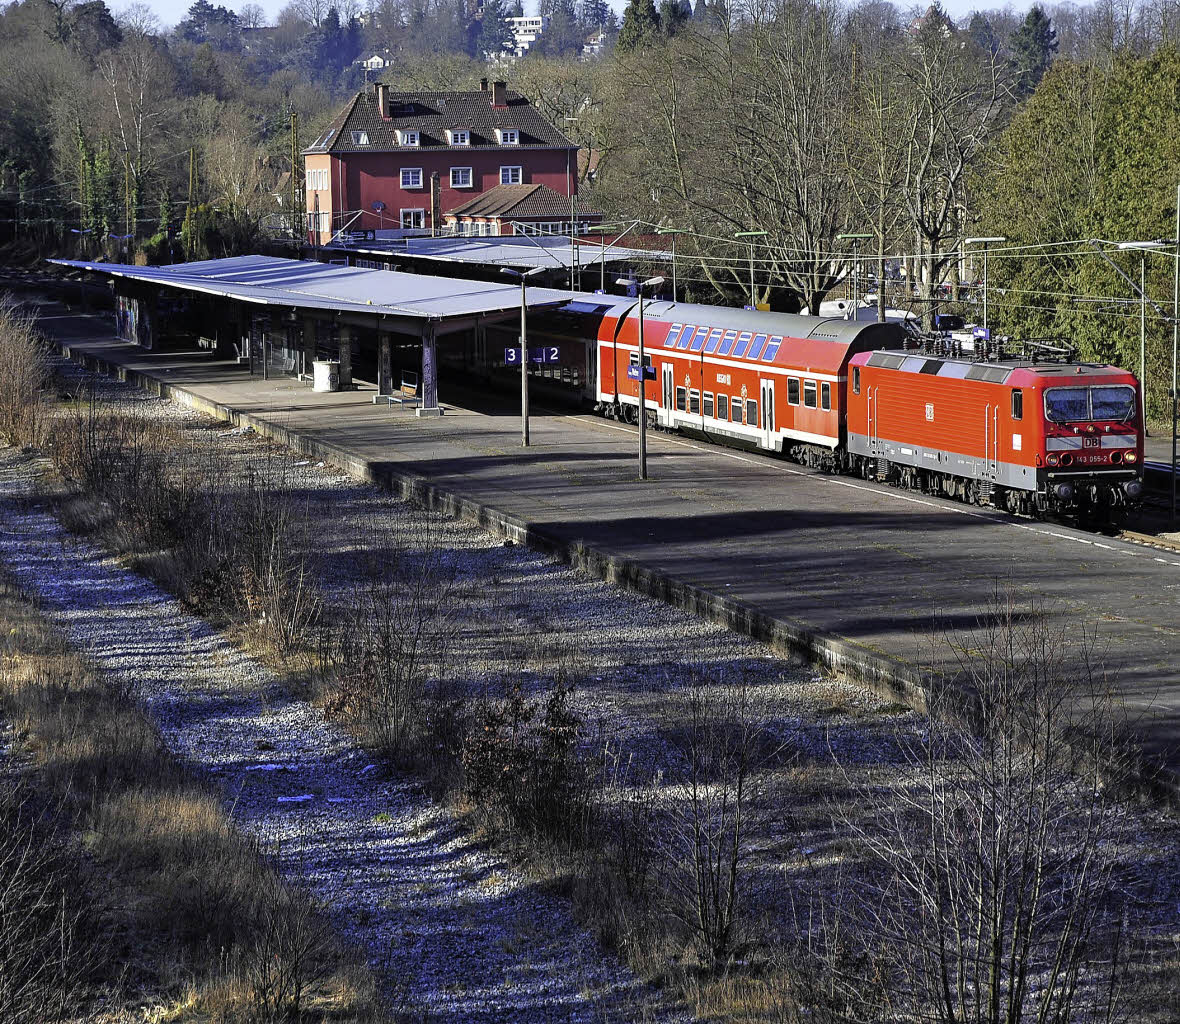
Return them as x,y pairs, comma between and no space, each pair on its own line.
345,357
384,365
309,345
429,405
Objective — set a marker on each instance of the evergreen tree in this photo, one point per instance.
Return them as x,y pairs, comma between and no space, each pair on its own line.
700,13
495,36
641,25
1033,46
982,34
594,13
673,14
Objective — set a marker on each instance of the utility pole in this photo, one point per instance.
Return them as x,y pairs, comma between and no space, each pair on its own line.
296,212
985,242
651,282
192,195
751,235
524,348
854,279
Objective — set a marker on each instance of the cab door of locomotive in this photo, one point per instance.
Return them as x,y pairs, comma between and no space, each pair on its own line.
667,410
767,403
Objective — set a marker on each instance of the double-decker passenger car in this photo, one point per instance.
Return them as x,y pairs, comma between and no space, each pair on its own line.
1021,435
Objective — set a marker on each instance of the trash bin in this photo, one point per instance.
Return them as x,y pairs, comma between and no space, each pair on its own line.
325,375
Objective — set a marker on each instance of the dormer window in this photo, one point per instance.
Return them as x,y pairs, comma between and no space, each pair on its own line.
407,137
360,138
460,136
509,136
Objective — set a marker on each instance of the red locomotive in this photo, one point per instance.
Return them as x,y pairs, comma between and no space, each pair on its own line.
1027,435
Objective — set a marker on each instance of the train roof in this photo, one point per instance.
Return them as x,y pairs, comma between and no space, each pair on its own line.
997,371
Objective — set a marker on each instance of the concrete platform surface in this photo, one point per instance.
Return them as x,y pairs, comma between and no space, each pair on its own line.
878,569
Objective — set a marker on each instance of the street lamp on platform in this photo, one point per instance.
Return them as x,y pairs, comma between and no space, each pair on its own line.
751,235
651,282
856,240
524,275
673,232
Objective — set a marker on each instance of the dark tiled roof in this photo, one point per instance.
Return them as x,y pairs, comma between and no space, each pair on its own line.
521,202
431,114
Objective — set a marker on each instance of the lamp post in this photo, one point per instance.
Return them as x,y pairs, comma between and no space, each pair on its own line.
673,232
524,349
1142,246
855,239
985,242
651,282
600,230
751,235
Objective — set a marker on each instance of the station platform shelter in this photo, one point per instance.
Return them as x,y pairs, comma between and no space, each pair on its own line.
282,316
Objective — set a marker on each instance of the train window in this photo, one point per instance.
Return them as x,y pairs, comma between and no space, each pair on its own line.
751,413
771,349
673,334
1017,404
694,403
681,398
792,391
714,341
723,407
685,336
856,380
809,394
743,343
727,343
735,410
708,410
758,346
698,339
825,395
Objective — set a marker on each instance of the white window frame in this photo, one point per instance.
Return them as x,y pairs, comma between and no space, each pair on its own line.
459,136
509,136
517,179
408,136
411,183
360,138
412,210
462,184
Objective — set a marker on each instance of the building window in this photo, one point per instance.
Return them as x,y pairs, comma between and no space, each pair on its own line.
809,394
413,218
792,391
360,138
408,138
460,177
511,175
825,395
723,407
411,177
460,137
509,136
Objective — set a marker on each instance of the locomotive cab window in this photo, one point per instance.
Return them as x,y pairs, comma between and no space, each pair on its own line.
856,380
792,391
751,412
809,394
694,403
723,407
1017,404
825,395
681,399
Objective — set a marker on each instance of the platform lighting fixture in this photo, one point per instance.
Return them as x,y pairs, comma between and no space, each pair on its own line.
524,275
984,242
673,232
856,240
751,235
651,282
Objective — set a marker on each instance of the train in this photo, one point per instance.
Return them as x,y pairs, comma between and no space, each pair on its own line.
1036,433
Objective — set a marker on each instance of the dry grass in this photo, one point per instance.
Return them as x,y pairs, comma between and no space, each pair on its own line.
203,924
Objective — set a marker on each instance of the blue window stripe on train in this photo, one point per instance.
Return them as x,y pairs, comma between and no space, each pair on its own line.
743,343
758,346
727,343
713,342
698,339
772,349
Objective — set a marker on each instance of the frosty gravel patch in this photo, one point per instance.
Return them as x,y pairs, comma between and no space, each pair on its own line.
453,931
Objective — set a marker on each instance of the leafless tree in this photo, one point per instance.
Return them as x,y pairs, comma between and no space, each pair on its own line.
252,16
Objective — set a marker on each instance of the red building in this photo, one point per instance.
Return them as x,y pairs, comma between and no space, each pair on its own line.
520,210
401,160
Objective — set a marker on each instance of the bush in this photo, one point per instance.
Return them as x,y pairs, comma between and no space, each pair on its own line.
27,371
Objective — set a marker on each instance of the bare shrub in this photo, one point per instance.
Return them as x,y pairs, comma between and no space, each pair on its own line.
709,812
47,950
27,371
991,886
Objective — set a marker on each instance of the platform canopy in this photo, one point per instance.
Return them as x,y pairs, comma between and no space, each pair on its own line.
301,284
553,252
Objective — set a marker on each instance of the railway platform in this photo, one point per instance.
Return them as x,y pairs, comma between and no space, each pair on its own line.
863,576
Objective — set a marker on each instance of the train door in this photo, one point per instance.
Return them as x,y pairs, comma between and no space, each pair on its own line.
871,408
667,410
767,413
991,441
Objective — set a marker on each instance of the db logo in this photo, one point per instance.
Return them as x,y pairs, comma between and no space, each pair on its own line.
930,411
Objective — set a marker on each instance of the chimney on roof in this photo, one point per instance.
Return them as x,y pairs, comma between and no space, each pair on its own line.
483,85
382,94
499,94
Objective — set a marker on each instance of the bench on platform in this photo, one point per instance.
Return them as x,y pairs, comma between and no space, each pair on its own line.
406,394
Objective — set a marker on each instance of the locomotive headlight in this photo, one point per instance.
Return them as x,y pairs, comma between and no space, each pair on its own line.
1130,457
1052,458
